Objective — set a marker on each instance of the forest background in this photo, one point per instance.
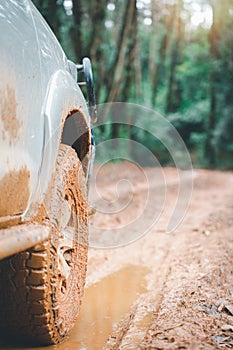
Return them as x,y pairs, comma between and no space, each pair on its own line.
173,56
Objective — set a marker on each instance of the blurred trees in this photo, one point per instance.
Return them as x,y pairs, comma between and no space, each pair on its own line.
172,55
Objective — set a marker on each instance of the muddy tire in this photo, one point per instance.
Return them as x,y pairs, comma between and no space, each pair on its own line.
41,289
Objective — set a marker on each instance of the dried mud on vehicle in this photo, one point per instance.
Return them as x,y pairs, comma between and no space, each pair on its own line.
11,124
15,199
165,291
43,286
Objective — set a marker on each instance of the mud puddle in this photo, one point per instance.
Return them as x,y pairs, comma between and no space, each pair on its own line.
104,304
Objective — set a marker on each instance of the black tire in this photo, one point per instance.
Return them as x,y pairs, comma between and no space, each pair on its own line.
41,289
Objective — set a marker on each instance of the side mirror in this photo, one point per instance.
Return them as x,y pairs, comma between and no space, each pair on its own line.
86,68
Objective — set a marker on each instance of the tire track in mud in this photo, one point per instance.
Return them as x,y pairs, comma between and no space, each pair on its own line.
137,326
133,328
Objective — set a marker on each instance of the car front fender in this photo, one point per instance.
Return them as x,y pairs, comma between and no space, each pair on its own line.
63,98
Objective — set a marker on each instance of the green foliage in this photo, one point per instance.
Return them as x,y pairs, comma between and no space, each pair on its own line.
193,73
169,65
193,120
198,142
223,140
223,136
191,125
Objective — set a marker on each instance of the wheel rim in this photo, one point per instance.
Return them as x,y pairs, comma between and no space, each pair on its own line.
66,246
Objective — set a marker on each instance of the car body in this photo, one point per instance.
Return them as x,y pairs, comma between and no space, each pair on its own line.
47,148
38,91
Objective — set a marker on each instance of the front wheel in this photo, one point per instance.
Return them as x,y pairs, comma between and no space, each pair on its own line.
41,289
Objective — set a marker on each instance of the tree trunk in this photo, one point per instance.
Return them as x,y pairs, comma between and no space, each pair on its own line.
214,55
95,51
116,72
131,62
76,30
124,72
174,93
157,68
138,72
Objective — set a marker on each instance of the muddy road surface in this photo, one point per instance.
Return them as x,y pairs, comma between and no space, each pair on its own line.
163,290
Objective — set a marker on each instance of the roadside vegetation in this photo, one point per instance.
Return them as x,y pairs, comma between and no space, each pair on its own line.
174,56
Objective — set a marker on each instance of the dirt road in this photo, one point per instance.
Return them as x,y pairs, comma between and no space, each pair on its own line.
164,291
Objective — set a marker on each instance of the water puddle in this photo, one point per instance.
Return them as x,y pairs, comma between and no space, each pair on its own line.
104,304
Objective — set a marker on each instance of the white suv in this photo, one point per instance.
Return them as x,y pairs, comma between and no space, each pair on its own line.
46,151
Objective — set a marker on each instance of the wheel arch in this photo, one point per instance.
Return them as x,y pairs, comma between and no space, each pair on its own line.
64,102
